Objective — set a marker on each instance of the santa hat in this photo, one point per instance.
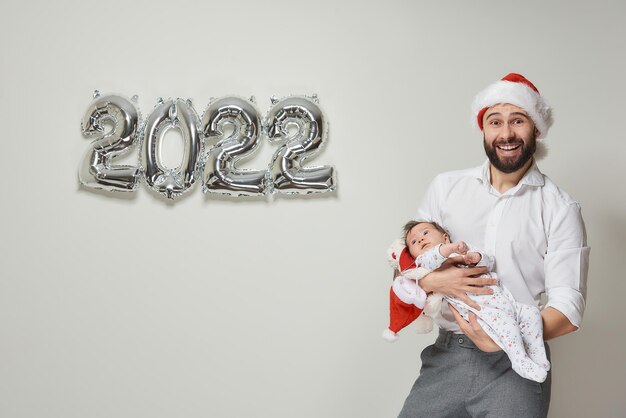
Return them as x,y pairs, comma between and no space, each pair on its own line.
515,89
401,314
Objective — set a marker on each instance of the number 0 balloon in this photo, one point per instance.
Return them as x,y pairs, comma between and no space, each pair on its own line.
171,114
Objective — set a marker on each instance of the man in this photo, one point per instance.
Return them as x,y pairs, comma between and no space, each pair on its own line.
508,208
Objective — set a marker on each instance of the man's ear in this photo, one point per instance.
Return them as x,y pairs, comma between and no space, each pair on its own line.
537,132
447,238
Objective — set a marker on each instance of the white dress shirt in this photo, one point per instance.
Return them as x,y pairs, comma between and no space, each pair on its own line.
534,230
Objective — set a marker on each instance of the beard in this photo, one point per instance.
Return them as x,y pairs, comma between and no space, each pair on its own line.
511,165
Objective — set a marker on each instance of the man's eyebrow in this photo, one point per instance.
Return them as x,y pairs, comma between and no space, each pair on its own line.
510,114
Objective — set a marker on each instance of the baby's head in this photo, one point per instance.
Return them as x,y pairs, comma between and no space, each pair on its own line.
420,236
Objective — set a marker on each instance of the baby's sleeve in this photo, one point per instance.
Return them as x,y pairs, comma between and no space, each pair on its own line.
431,259
486,260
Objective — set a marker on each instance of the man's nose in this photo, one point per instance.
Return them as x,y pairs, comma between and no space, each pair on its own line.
506,132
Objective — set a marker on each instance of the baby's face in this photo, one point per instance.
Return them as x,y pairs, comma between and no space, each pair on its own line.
422,237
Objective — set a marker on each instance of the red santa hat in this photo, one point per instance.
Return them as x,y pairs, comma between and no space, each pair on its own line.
401,314
515,89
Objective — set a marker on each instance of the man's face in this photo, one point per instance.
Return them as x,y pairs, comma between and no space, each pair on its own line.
509,137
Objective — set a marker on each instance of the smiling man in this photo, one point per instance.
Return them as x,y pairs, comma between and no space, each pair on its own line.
511,210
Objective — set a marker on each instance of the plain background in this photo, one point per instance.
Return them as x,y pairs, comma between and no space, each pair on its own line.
130,306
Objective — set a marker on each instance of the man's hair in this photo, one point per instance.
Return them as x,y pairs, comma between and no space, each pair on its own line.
409,225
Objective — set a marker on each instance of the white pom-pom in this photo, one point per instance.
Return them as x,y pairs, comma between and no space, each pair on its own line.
389,335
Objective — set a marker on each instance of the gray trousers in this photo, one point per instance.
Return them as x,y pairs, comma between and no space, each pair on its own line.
458,380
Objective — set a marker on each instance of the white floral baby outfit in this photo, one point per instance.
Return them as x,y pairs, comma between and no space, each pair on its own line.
517,328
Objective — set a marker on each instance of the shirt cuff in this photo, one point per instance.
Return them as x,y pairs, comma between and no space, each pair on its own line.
569,302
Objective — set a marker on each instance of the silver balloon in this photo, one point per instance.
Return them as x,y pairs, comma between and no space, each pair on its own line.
96,170
221,174
171,114
300,123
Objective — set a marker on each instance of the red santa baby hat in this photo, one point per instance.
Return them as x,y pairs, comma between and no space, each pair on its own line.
515,89
401,313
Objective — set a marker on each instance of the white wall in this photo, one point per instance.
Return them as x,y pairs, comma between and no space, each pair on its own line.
117,306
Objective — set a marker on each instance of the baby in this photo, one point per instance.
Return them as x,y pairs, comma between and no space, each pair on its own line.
515,327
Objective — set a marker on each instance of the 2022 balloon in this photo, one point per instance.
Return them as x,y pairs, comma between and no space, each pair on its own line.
295,124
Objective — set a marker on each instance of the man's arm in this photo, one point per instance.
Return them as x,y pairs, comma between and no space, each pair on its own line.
555,324
566,266
457,282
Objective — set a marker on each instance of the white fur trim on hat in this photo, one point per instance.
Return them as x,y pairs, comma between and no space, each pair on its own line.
518,94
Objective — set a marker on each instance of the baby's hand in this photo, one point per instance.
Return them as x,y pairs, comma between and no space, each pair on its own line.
459,247
472,257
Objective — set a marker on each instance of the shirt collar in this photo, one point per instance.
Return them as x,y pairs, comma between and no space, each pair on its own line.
533,176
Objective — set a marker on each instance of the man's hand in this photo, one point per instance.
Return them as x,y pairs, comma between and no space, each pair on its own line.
457,282
475,332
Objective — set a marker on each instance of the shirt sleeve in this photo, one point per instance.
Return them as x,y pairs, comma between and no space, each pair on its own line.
566,264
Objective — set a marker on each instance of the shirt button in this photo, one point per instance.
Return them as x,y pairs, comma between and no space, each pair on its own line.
460,340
